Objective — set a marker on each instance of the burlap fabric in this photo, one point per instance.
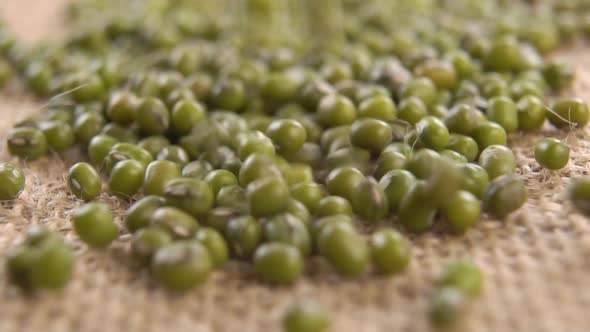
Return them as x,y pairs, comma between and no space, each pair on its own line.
536,264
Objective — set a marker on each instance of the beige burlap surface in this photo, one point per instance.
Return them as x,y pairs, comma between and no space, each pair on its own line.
536,263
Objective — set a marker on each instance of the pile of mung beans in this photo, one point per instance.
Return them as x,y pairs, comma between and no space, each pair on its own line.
262,131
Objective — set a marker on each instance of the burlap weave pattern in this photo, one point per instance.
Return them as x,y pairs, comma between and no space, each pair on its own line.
536,264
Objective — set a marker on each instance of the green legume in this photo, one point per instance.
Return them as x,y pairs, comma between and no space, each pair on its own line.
94,224
579,193
389,161
309,194
126,178
139,214
412,110
465,145
255,143
421,88
84,182
27,143
462,62
503,111
558,75
336,72
288,135
344,248
335,110
396,184
342,181
490,133
438,111
182,265
378,107
278,263
298,173
243,234
191,195
505,54
475,179
122,134
288,228
454,156
369,201
267,196
334,134
524,87
42,262
349,157
90,88
232,196
257,166
444,181
185,114
433,133
531,113
464,275
59,135
154,144
176,222
463,119
371,134
299,210
5,73
467,89
157,175
552,153
12,181
504,195
441,73
416,212
219,217
306,317
497,160
153,117
215,244
220,178
146,242
122,108
124,151
390,251
333,205
447,307
422,163
175,154
567,112
99,147
280,87
462,211
312,92
87,126
197,169
318,225
60,115
402,148
310,154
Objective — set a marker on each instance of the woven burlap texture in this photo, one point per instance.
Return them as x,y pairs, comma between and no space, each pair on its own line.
535,263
